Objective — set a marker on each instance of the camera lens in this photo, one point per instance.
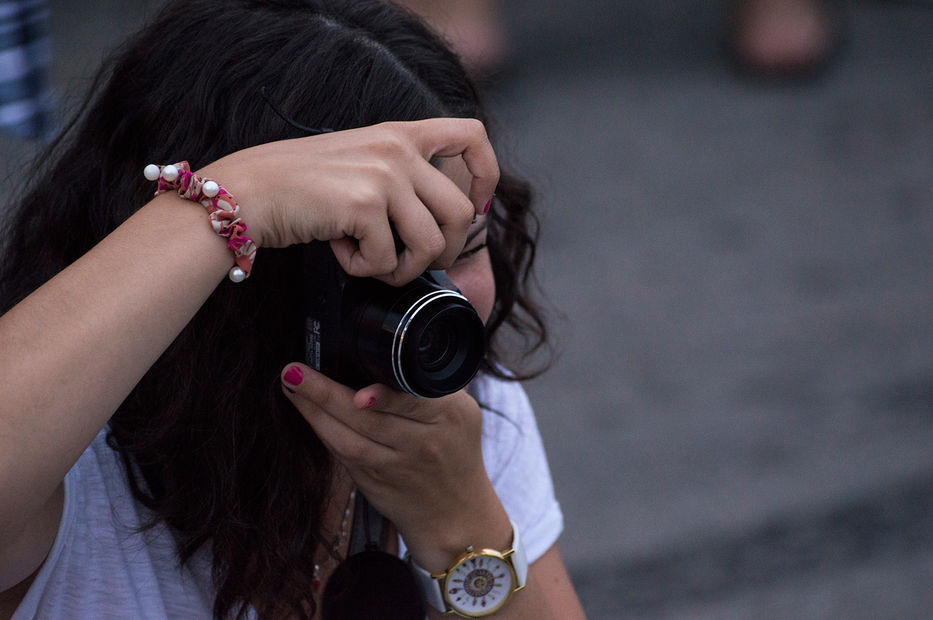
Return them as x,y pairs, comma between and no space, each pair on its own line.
435,348
422,338
441,346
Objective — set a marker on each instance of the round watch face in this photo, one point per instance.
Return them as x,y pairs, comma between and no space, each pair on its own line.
479,585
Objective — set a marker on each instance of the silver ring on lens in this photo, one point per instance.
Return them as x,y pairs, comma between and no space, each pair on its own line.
399,340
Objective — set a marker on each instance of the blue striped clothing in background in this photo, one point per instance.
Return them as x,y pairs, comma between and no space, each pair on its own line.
25,58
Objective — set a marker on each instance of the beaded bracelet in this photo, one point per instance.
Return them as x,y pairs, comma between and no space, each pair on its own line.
221,206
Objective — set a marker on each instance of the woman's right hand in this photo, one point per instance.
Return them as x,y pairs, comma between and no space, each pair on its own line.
346,187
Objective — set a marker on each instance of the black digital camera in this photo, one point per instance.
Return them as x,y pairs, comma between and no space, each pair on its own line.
423,338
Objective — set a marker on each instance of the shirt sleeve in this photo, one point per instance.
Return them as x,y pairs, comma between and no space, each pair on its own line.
517,465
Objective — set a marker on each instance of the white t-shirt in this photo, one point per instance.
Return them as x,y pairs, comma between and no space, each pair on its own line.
101,567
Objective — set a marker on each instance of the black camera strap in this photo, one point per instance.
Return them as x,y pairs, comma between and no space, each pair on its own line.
368,527
371,583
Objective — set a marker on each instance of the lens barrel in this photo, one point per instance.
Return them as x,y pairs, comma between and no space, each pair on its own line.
422,338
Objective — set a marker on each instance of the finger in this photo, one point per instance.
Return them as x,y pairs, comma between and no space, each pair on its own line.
369,252
448,137
450,208
380,398
325,404
420,233
314,386
342,433
381,426
367,397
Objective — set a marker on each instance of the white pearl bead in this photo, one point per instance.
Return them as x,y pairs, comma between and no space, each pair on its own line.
210,189
236,274
170,173
151,172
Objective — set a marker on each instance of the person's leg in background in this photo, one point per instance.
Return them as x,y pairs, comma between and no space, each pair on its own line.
782,37
766,37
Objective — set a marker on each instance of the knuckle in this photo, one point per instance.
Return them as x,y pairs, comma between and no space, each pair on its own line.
382,170
431,453
476,128
434,244
401,277
389,142
364,195
464,210
359,268
425,451
465,411
390,263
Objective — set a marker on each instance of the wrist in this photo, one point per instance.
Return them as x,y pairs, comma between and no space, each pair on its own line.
239,179
478,582
222,208
480,524
169,215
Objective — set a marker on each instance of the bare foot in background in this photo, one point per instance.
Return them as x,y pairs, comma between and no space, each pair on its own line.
472,27
781,37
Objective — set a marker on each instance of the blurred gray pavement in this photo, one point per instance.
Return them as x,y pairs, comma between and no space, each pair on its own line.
740,424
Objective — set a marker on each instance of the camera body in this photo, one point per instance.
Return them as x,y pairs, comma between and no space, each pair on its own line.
424,338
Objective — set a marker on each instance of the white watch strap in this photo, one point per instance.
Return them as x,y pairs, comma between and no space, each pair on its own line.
431,587
519,560
434,595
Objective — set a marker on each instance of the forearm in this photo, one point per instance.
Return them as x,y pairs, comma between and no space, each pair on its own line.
75,348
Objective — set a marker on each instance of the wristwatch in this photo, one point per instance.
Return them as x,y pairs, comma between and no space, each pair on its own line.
478,582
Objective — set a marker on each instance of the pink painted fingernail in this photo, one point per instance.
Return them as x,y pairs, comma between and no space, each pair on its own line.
486,208
294,376
372,401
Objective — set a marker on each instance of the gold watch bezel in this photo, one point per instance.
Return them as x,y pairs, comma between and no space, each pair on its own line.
466,556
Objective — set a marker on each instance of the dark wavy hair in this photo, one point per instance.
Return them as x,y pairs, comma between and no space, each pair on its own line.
210,444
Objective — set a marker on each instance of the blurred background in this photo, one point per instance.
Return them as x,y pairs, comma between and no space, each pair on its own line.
740,424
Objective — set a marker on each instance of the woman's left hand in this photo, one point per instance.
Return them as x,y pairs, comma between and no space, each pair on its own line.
417,460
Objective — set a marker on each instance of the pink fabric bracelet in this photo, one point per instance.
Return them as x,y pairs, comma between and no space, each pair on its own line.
221,206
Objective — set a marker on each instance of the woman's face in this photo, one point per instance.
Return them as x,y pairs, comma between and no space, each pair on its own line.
472,271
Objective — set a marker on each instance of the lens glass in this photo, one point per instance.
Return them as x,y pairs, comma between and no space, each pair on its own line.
443,348
423,338
436,348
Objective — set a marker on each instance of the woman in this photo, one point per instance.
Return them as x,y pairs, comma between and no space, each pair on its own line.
157,427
